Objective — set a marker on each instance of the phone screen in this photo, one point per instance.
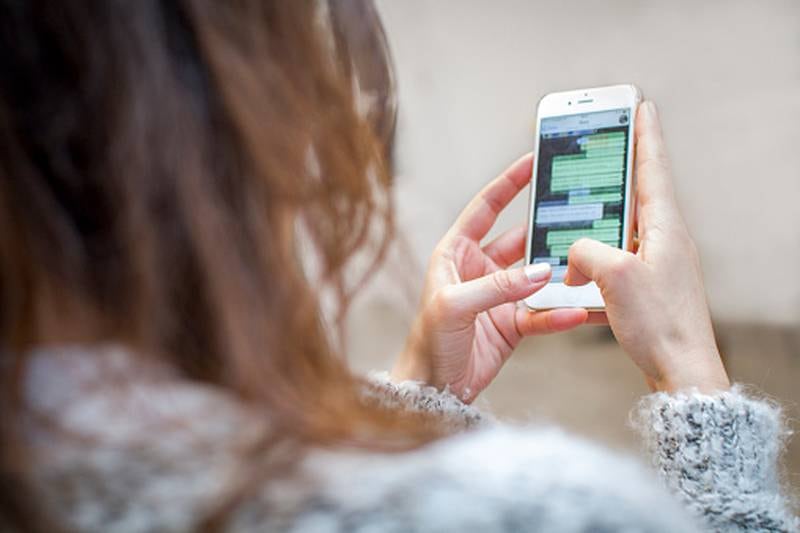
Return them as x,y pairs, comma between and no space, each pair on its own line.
580,184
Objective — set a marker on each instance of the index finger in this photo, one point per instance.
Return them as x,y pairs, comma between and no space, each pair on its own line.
481,212
552,321
652,164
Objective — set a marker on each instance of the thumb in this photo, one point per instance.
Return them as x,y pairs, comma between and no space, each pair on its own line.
503,286
591,260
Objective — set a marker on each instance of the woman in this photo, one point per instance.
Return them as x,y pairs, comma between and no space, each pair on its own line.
186,185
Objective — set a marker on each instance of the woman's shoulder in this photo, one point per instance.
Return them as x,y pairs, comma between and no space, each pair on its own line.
158,453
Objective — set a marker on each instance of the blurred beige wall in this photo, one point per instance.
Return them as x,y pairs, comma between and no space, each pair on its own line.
725,74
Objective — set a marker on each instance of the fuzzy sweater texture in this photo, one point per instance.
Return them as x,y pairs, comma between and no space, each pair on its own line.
146,451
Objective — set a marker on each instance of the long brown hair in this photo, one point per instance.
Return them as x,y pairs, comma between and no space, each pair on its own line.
192,178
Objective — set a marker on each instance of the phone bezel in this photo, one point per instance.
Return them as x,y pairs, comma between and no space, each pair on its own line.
580,101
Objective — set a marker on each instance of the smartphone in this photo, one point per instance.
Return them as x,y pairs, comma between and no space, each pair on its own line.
581,184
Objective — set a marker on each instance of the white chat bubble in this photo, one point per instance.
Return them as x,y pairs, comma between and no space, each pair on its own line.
553,214
544,259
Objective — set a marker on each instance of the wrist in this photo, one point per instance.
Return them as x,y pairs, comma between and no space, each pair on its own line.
410,365
408,368
692,369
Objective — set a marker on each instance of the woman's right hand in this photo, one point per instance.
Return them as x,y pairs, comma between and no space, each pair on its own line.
655,300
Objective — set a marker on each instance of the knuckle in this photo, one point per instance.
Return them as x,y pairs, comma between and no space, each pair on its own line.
654,163
503,282
651,146
624,266
577,246
443,248
442,302
459,247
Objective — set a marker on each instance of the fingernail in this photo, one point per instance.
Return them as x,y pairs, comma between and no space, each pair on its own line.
537,271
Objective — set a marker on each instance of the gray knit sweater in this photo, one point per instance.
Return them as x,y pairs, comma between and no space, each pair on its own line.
149,452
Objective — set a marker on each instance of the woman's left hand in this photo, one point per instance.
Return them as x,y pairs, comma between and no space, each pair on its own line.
469,322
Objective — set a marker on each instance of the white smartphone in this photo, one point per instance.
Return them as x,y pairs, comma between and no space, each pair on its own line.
581,184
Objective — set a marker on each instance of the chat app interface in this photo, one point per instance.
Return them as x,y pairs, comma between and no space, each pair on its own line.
580,184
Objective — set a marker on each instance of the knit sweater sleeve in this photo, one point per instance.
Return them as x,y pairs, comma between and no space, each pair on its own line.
719,454
416,396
